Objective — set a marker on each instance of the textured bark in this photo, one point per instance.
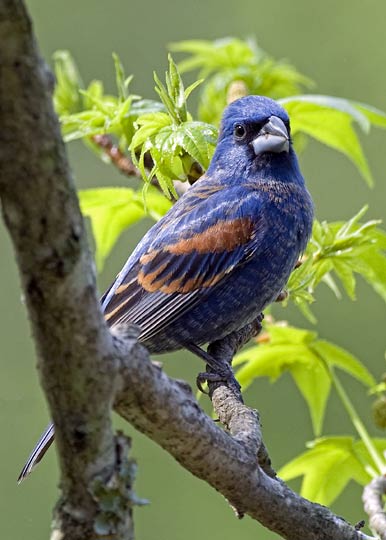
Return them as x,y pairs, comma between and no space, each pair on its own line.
84,369
374,505
166,411
40,208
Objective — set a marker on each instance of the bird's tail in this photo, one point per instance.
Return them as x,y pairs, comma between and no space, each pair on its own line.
38,452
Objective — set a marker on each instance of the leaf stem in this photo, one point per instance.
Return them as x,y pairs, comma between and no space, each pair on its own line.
357,422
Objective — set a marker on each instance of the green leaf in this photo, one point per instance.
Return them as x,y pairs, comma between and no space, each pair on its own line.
363,454
375,116
93,93
114,209
327,467
192,87
321,270
67,98
372,266
122,81
346,275
331,126
169,144
339,104
305,357
290,334
348,227
314,384
330,282
214,55
149,124
289,350
341,250
83,124
198,140
299,288
336,356
268,361
111,211
225,61
173,95
146,106
85,113
155,203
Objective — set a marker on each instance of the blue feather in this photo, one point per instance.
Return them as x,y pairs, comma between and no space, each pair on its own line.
226,248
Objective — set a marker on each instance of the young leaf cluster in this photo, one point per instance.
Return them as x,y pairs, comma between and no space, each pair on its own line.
174,142
88,111
328,466
306,357
224,61
161,137
335,254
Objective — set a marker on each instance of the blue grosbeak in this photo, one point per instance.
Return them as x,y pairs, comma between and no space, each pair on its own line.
226,248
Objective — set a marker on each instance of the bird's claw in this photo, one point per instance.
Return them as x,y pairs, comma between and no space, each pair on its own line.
228,378
203,378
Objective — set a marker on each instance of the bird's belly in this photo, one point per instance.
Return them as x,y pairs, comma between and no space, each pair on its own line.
231,305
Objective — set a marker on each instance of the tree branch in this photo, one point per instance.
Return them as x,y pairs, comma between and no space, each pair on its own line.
122,162
84,369
40,208
374,506
166,411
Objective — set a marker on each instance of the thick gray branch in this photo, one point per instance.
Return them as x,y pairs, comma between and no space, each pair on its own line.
41,211
83,368
167,412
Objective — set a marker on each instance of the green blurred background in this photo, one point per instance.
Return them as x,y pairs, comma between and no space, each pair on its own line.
338,44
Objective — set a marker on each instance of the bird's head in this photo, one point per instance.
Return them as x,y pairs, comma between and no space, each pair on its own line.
255,132
259,122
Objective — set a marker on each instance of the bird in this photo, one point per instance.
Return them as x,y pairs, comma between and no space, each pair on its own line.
224,251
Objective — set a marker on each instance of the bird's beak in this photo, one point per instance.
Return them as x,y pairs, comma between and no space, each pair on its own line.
273,137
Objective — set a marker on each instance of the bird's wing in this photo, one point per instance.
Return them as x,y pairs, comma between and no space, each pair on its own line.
184,256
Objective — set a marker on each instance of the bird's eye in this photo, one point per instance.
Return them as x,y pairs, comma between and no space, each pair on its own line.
239,131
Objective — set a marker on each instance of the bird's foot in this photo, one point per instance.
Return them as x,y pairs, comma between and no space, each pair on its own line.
219,370
219,357
211,377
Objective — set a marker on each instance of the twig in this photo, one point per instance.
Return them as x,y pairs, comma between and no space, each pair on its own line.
125,165
237,89
374,506
229,404
122,162
166,411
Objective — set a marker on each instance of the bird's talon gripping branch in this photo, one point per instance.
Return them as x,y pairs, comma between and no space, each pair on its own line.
225,377
218,358
205,377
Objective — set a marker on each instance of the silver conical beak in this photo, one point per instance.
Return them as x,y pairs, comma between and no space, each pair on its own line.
273,137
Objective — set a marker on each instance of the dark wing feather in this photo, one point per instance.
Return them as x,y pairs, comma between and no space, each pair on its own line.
182,258
38,452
